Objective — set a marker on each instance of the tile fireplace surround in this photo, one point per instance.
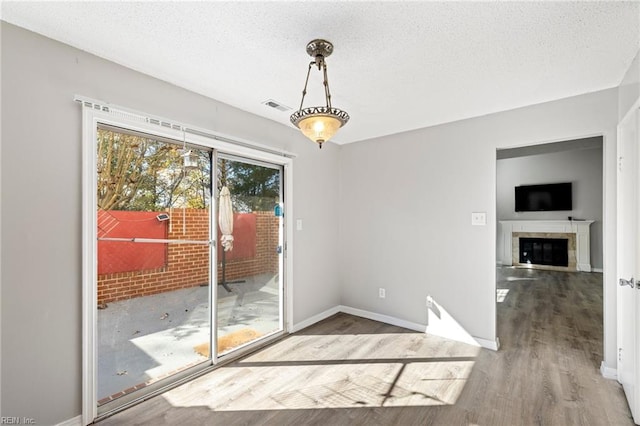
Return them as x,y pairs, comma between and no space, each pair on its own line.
577,232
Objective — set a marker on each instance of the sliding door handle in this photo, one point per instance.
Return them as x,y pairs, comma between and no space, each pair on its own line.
624,282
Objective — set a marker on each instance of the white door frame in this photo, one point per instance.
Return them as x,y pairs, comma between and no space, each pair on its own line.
93,115
628,312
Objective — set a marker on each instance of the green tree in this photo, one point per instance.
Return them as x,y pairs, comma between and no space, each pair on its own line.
144,174
252,187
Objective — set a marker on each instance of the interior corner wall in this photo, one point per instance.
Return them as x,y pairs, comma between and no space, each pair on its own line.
629,89
408,200
41,177
581,167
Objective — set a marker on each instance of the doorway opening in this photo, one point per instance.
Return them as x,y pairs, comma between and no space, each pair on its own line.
577,161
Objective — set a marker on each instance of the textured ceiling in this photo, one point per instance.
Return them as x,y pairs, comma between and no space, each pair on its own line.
396,66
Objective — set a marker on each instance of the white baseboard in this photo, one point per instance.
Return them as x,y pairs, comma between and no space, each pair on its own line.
597,270
584,267
493,345
314,319
608,372
76,421
383,318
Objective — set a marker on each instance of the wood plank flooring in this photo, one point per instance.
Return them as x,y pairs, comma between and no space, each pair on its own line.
350,370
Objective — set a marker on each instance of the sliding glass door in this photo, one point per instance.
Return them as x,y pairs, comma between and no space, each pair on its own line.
250,252
153,261
187,252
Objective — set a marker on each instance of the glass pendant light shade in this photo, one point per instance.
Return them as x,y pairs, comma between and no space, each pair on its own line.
319,123
320,128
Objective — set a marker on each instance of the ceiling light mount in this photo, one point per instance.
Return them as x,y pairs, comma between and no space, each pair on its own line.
319,123
319,49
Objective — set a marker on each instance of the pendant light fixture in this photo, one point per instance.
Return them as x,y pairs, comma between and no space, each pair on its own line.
319,123
189,158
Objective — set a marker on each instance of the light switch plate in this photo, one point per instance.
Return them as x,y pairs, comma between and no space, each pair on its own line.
299,225
478,218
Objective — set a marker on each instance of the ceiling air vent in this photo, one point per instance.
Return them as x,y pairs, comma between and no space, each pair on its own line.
276,105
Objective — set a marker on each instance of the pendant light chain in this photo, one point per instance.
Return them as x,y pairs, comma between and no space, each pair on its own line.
327,93
306,82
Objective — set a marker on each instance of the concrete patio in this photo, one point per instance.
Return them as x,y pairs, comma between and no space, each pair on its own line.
143,339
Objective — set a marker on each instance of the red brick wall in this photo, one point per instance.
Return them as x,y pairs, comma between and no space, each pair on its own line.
188,264
266,258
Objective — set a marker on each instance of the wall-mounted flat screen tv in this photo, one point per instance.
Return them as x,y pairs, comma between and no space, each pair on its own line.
547,197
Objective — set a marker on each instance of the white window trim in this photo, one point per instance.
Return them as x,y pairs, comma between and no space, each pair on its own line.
94,113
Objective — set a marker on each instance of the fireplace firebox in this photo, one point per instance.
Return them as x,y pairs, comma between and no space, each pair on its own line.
575,231
544,251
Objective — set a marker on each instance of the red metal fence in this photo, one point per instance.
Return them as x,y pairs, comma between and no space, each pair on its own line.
127,269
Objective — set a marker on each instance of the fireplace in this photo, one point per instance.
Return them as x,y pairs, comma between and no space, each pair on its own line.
575,233
544,251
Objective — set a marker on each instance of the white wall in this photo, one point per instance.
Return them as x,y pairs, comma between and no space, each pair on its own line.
41,201
403,206
629,90
406,203
581,167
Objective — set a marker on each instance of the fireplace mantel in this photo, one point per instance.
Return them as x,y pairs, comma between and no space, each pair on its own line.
581,229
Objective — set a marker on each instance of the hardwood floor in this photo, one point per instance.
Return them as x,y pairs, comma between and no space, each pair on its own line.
350,370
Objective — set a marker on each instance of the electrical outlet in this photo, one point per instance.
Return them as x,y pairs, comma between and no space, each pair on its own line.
429,302
478,218
382,293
